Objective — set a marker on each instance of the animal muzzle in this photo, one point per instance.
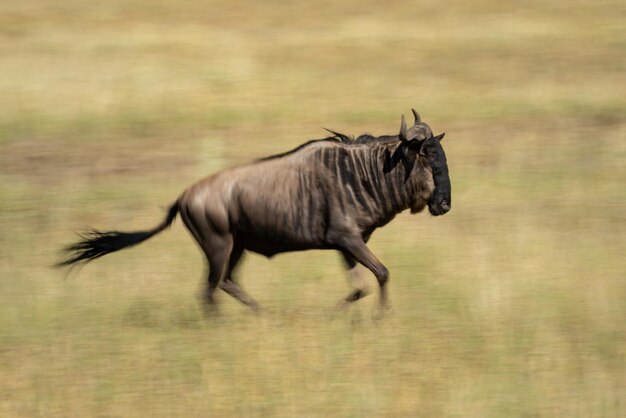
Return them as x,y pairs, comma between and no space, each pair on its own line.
439,206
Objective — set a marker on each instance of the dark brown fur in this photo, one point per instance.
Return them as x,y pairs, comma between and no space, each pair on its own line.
325,194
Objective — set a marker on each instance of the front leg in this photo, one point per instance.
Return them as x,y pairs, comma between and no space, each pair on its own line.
356,248
357,280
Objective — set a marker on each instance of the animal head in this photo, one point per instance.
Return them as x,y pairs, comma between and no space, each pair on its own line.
419,142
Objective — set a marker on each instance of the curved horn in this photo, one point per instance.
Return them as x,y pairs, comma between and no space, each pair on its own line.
402,134
417,117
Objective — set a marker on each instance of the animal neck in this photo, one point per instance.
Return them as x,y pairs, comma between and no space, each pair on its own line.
369,178
396,180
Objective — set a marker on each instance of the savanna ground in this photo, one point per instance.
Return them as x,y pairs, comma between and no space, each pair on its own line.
512,305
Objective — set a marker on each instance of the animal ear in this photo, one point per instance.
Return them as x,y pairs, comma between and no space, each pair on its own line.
402,134
417,117
440,137
415,145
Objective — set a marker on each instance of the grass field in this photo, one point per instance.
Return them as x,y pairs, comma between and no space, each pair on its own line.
511,305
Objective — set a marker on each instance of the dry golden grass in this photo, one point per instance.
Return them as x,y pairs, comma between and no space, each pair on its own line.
511,305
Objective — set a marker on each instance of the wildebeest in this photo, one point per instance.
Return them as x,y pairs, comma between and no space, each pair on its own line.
325,194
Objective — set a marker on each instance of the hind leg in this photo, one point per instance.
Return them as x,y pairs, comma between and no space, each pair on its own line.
231,287
215,242
218,253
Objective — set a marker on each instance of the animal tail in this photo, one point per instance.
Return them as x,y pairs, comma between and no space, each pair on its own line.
95,244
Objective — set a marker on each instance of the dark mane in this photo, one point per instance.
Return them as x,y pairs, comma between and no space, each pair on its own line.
298,148
368,139
364,139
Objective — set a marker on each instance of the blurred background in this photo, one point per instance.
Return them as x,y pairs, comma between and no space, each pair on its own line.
511,305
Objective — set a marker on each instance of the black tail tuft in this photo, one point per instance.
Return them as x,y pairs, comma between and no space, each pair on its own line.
95,244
